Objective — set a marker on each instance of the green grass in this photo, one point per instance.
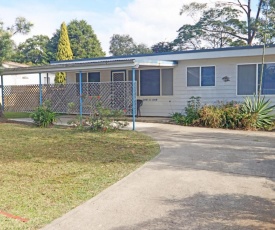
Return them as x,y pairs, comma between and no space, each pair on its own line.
44,173
11,115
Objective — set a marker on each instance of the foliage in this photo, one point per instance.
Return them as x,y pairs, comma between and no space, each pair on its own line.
222,25
43,116
191,114
22,26
125,45
259,110
249,115
84,42
44,173
100,118
64,52
178,118
192,110
162,47
33,50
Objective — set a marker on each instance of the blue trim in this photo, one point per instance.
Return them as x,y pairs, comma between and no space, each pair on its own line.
80,96
2,90
134,98
40,89
166,53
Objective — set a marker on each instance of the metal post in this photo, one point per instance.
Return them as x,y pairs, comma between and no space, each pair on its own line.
40,89
2,92
80,96
134,97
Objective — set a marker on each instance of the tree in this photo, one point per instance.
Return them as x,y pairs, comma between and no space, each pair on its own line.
33,51
221,25
162,47
84,42
22,26
64,52
6,43
125,45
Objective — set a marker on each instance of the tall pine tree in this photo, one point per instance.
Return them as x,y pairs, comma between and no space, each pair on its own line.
64,52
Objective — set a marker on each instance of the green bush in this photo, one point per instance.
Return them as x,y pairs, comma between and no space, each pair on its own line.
192,110
178,118
43,116
101,119
258,111
191,114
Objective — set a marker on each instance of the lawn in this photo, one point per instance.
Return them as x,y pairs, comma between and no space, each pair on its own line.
16,115
44,173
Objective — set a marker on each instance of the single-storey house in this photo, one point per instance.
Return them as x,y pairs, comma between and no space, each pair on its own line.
25,79
166,81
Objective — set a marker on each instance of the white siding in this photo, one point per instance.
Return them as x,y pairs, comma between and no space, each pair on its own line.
222,91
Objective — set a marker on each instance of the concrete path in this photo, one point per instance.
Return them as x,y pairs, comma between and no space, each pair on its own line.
202,179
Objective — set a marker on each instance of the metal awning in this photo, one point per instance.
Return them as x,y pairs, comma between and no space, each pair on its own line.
86,66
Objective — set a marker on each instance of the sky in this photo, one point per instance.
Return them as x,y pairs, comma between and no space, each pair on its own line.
146,21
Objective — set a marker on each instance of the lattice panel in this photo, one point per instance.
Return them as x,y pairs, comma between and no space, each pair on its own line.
60,96
113,95
21,98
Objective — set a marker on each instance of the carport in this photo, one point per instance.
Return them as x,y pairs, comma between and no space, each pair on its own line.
79,67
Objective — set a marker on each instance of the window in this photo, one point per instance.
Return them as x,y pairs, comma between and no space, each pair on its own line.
130,78
167,81
150,82
268,80
249,78
83,77
94,89
94,77
201,76
118,75
246,83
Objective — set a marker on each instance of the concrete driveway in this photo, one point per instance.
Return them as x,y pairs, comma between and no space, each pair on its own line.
202,179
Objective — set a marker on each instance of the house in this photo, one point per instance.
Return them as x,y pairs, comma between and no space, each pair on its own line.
25,79
166,81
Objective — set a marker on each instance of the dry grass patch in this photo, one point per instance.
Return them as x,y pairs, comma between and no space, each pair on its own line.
47,172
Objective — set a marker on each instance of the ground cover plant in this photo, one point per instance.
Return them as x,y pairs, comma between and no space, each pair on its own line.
46,172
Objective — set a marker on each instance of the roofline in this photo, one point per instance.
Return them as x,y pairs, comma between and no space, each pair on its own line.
70,67
165,53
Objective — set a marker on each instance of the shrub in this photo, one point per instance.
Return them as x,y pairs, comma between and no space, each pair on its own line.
178,118
101,119
43,116
258,112
192,110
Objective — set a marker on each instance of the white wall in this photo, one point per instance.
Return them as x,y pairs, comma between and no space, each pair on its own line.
222,91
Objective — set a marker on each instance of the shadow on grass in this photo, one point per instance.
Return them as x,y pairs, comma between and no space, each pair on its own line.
201,211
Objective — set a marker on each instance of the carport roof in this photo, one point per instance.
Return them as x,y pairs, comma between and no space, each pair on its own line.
99,64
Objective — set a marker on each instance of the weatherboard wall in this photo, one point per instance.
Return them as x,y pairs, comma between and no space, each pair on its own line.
222,91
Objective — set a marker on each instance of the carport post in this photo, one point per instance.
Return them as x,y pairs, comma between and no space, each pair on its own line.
80,96
2,92
134,97
40,89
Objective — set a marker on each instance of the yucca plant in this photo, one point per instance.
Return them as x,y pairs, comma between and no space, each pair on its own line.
259,110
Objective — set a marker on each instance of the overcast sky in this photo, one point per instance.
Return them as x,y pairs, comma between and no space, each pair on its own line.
146,21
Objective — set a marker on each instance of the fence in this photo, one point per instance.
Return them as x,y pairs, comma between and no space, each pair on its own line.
66,98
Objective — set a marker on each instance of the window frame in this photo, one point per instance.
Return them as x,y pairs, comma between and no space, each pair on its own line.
139,79
200,77
257,79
